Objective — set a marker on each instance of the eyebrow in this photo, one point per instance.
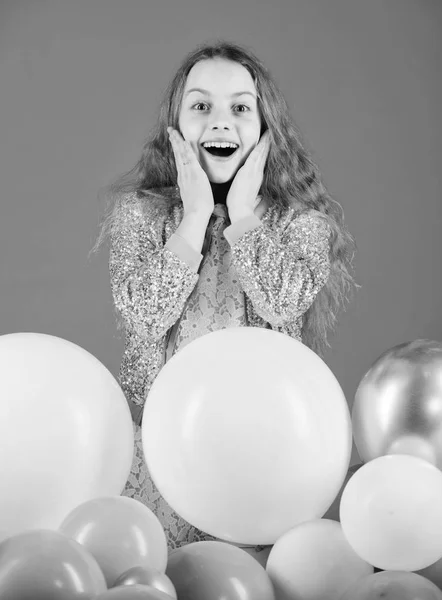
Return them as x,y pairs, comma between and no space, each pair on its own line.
209,94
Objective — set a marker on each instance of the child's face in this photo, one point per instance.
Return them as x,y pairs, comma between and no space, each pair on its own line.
220,113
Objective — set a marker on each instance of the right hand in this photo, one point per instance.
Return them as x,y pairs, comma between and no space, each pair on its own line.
195,189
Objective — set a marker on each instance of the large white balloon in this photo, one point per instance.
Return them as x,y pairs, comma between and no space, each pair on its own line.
246,432
65,429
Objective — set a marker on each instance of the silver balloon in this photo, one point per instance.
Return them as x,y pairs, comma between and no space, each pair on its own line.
398,404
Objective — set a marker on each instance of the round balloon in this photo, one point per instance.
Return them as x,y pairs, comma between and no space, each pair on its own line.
147,576
65,429
246,433
215,570
42,564
398,404
120,532
391,513
314,561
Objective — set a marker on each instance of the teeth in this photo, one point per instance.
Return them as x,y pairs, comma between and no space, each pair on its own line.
220,145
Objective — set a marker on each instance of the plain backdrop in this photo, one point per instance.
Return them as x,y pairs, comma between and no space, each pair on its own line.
80,84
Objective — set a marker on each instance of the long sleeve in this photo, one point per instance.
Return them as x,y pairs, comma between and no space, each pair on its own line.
150,280
281,274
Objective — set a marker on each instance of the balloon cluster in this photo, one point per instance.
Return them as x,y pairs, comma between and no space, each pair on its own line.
247,435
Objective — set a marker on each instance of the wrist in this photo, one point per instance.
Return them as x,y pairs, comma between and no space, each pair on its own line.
197,216
239,215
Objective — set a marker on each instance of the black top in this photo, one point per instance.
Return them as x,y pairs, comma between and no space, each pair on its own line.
220,191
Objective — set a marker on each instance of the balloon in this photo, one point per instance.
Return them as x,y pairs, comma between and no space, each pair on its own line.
246,433
45,564
391,513
120,533
398,404
133,592
215,571
65,429
314,561
147,576
394,585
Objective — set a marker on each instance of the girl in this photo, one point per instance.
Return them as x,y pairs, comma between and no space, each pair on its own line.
223,222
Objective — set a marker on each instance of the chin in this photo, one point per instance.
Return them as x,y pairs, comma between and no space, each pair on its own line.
219,179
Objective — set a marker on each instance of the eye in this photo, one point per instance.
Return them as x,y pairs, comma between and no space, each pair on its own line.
199,104
245,106
195,106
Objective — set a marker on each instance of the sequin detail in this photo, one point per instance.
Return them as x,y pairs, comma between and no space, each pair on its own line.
268,278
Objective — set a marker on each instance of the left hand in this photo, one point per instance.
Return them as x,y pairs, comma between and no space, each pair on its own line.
242,197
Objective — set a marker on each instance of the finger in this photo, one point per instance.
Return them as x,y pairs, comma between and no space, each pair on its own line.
178,147
253,157
188,153
264,142
265,148
173,143
177,156
184,149
261,148
176,135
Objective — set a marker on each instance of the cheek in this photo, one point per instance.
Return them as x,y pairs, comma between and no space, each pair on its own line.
187,123
185,128
252,135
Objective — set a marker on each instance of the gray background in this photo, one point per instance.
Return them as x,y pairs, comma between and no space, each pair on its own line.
80,83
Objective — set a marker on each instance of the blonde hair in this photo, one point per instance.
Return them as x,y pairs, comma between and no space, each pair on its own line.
291,178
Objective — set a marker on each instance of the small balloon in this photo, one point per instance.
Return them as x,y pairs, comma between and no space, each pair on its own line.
133,592
120,533
215,570
394,585
43,564
398,404
147,576
314,561
391,513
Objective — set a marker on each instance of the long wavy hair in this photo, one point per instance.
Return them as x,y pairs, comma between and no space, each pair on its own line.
291,178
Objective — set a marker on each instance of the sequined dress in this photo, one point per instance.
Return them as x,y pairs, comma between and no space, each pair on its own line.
261,271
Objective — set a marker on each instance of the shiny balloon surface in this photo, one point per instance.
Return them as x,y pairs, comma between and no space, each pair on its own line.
398,404
43,564
217,571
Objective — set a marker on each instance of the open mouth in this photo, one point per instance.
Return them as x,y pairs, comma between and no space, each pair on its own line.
220,152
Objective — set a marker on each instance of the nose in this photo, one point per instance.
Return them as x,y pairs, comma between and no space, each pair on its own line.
220,126
220,120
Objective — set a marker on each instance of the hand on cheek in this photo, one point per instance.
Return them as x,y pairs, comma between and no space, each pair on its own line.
242,197
194,185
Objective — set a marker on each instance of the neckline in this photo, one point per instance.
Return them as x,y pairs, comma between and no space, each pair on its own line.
220,209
